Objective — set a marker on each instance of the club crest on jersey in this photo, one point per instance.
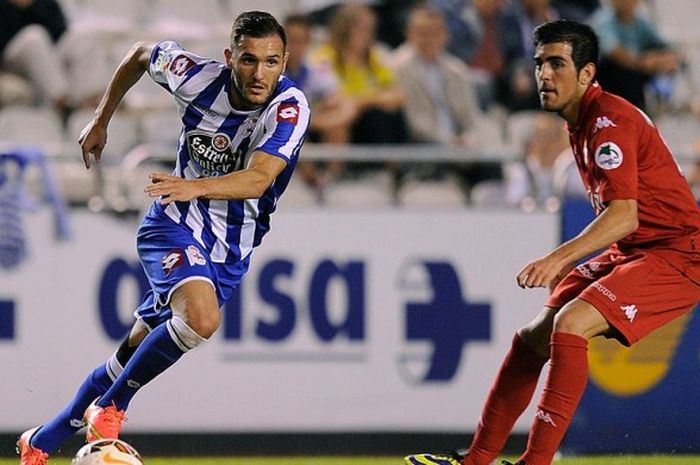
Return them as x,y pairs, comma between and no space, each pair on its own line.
194,256
212,154
181,65
608,156
288,112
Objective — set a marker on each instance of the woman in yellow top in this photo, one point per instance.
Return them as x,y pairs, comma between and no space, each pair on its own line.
353,54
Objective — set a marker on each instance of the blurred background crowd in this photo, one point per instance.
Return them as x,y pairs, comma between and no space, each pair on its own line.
428,103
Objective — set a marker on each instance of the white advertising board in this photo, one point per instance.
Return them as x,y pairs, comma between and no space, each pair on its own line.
387,320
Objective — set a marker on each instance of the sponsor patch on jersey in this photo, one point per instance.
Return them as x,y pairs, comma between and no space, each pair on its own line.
180,65
608,156
288,112
212,154
162,61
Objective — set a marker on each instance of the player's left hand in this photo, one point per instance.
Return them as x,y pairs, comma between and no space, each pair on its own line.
171,188
540,273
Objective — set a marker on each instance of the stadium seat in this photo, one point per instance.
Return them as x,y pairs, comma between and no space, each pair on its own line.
278,9
489,137
122,133
147,95
108,16
677,20
161,126
519,125
183,20
681,132
20,125
299,195
437,194
372,191
489,194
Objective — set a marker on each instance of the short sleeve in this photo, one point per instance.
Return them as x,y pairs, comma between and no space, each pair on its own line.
171,65
614,147
288,121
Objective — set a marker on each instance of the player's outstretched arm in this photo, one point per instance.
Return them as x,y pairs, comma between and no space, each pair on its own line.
615,222
93,137
249,183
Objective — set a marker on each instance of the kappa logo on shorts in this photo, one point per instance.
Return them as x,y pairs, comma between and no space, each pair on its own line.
194,256
288,112
172,260
630,311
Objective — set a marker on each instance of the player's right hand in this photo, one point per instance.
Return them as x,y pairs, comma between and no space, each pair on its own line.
92,140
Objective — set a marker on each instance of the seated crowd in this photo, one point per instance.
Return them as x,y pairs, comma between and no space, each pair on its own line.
441,75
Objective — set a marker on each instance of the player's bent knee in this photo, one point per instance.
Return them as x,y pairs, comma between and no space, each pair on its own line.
580,318
183,334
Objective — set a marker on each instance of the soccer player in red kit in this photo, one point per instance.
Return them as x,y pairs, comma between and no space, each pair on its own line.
648,225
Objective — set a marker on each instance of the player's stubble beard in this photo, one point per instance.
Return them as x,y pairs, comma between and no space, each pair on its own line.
238,89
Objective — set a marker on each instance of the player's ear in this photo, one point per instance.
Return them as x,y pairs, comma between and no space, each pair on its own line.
587,74
228,54
284,62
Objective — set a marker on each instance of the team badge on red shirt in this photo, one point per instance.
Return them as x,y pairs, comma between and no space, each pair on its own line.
608,156
288,112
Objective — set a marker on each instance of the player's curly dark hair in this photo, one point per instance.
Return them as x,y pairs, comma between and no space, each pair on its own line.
256,24
581,37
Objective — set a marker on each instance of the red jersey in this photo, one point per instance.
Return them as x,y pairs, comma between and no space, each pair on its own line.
621,155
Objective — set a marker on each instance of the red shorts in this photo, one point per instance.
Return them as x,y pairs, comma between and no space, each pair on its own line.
636,292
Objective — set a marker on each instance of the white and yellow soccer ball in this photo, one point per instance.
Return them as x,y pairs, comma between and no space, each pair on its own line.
107,452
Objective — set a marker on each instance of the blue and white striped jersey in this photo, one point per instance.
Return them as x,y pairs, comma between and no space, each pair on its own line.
216,139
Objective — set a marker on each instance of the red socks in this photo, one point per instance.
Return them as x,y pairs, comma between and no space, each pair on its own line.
510,395
568,375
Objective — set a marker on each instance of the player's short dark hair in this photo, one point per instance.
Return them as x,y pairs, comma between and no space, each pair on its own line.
256,24
581,37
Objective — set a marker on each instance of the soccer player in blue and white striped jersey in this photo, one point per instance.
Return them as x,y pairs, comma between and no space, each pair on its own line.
243,124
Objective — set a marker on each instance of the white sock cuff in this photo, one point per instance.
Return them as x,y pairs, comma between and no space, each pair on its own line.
113,367
184,337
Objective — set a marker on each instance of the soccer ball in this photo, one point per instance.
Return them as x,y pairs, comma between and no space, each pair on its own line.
107,451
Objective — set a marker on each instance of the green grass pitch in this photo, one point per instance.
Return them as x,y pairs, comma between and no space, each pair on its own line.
598,460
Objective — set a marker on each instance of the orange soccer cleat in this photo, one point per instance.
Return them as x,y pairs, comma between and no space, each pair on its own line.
103,422
29,455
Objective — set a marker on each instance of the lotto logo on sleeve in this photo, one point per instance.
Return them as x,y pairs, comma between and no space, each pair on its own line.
181,65
288,112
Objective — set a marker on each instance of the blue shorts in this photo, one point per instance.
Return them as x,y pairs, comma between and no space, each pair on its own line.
171,256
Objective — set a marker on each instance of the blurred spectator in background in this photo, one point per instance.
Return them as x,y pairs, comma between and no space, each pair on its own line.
487,37
441,104
632,52
37,45
29,33
333,112
576,10
518,90
353,54
530,183
392,18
